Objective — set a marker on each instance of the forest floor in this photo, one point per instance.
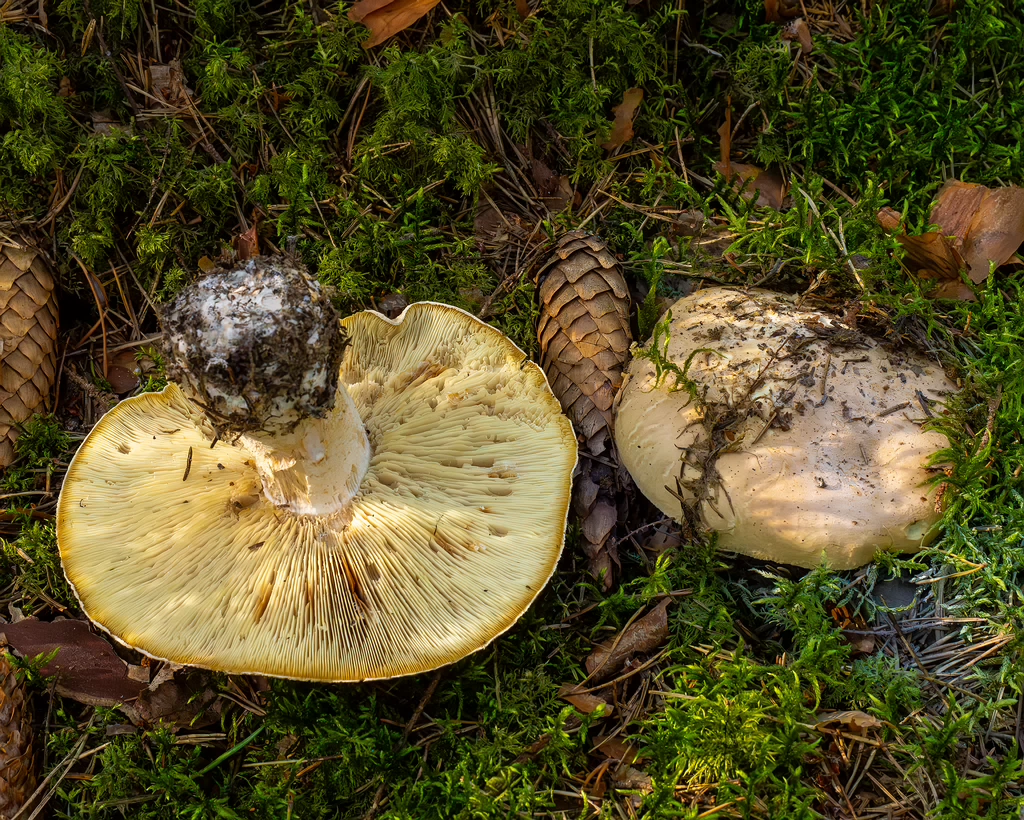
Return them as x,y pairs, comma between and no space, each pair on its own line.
144,140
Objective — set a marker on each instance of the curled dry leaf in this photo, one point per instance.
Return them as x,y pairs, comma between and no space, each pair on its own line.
640,638
766,187
987,224
615,748
247,243
799,30
622,125
775,11
978,227
167,84
392,305
626,777
852,721
385,18
586,702
555,189
87,668
123,372
180,699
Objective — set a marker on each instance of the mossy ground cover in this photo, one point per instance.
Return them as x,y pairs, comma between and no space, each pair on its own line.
376,169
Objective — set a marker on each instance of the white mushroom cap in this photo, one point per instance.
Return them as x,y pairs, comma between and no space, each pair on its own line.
456,527
789,464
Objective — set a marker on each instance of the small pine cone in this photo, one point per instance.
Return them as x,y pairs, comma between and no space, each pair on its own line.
584,339
584,332
28,340
17,758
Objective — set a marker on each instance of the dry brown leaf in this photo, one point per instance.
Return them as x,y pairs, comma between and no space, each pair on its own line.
522,9
167,84
889,219
626,777
766,186
622,125
179,700
799,30
775,11
987,223
585,702
615,748
385,18
853,721
87,668
978,227
643,636
104,122
247,243
392,305
123,372
555,189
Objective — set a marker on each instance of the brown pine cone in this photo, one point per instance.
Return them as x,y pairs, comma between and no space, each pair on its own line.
584,332
17,757
584,336
28,340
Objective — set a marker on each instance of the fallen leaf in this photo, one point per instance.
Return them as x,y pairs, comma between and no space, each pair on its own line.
385,18
663,540
392,305
488,225
555,189
641,637
87,668
767,187
889,219
987,223
247,243
522,9
777,10
977,227
183,699
855,721
585,702
617,749
532,750
206,264
626,777
799,30
167,84
123,372
622,125
104,122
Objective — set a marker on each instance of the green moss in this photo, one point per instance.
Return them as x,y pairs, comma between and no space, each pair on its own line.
369,164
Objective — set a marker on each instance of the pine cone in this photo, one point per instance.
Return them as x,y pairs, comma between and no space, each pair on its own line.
17,758
584,339
28,340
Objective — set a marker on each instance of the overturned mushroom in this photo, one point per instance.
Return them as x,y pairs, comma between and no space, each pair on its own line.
793,436
316,504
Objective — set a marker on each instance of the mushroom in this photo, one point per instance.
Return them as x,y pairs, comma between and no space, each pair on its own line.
791,435
315,501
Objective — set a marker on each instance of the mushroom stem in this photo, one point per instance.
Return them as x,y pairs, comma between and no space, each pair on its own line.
317,467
